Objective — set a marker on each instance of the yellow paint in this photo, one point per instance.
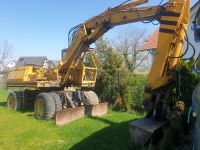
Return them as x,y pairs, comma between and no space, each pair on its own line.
169,45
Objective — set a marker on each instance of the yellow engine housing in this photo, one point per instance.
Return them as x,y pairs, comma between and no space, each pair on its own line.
33,77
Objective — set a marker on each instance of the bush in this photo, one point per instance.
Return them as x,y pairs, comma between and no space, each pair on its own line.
110,72
115,83
125,94
175,132
133,93
108,82
188,82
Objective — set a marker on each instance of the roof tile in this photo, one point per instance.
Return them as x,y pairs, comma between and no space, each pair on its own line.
151,42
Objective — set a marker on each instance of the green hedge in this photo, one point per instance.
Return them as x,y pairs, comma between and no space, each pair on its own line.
134,92
125,93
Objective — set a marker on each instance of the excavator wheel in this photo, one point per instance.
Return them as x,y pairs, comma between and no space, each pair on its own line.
44,106
91,98
13,101
57,101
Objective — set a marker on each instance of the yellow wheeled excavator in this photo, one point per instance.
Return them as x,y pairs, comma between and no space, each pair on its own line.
53,88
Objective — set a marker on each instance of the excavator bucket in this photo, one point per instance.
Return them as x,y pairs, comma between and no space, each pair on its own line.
142,130
66,116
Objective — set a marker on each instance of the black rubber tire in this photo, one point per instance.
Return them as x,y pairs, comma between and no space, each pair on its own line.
57,101
90,97
48,107
17,102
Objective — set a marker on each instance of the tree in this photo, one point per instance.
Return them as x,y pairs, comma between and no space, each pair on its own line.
115,83
6,50
128,44
109,63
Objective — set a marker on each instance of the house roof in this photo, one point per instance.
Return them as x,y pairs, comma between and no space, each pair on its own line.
151,42
30,61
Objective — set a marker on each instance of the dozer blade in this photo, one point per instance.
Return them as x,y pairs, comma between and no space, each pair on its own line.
66,116
142,130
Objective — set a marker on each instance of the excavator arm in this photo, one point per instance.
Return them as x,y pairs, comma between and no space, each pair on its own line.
173,25
172,33
88,32
173,17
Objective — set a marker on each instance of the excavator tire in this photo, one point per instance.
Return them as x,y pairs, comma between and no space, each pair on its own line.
57,101
44,106
13,101
91,98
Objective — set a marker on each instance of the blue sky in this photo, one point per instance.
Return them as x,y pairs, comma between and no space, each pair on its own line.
40,27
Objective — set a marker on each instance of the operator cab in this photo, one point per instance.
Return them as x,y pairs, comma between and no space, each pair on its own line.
85,72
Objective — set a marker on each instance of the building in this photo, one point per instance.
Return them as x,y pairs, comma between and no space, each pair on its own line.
39,61
11,64
150,46
7,66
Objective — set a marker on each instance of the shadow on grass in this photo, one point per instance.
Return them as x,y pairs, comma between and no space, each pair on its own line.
24,109
4,104
27,109
113,137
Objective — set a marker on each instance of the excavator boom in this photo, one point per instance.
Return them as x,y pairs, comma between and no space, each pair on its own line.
88,32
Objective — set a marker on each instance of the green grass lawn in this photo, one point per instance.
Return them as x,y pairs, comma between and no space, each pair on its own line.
20,130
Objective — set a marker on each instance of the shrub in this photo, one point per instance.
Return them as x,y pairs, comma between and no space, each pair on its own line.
108,82
115,83
187,83
175,132
110,72
133,93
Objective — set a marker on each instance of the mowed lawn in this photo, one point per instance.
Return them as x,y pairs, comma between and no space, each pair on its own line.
20,130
